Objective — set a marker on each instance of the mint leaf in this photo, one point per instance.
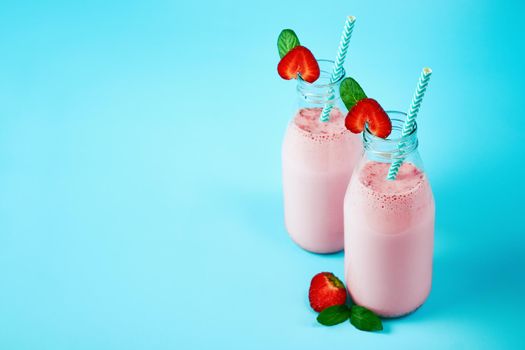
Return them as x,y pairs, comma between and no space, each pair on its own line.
351,92
334,315
364,319
287,40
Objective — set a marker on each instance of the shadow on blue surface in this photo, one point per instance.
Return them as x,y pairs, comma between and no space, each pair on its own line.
476,262
486,276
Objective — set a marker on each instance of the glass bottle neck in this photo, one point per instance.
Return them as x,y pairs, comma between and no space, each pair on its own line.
396,146
321,92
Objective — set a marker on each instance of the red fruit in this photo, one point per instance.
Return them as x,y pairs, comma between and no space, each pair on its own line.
299,60
326,290
369,111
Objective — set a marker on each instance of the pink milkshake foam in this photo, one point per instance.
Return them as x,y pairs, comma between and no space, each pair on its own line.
307,120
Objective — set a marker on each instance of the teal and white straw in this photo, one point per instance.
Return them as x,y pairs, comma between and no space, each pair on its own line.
411,117
338,65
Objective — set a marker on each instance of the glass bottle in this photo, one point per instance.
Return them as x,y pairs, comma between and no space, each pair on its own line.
317,163
389,226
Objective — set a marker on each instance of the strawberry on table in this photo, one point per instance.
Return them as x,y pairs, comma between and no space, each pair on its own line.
326,290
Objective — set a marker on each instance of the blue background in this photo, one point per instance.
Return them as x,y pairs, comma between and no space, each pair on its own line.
140,198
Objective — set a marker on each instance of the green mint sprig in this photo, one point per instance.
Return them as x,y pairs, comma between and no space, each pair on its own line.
365,320
287,40
362,318
351,92
334,315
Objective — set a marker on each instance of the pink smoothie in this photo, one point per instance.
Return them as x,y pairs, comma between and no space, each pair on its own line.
318,160
389,235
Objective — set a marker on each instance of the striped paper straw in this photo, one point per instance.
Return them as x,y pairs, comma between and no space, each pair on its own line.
338,65
411,117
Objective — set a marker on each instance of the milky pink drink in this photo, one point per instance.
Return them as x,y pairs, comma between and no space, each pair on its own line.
389,228
317,159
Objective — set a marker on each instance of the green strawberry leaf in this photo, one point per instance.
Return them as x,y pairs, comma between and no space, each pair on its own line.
287,40
351,92
334,315
364,319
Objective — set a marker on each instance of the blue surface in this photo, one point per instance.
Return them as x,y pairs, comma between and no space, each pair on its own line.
140,198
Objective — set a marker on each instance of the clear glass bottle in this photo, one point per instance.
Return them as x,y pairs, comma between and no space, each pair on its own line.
317,163
389,226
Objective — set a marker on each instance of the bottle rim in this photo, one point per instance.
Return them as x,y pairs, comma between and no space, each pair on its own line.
397,125
315,84
395,146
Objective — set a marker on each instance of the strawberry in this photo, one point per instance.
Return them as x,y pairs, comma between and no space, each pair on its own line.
299,60
326,290
368,110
